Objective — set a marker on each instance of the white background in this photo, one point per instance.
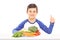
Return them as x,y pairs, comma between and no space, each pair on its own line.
13,12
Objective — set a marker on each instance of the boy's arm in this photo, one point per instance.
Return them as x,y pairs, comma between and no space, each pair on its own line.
20,26
44,27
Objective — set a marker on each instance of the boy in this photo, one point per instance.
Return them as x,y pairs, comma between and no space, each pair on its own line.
32,11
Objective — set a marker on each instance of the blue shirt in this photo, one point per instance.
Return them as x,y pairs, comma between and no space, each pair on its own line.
41,25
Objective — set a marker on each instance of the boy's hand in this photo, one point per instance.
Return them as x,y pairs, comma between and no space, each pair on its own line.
52,20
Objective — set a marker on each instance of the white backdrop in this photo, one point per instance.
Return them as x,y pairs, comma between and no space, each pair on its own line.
13,12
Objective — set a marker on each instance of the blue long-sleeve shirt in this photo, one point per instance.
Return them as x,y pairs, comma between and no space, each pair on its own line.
41,25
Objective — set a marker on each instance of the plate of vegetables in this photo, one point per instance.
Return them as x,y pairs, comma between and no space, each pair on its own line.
31,32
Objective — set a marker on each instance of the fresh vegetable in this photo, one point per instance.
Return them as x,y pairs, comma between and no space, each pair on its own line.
37,33
18,34
33,28
29,34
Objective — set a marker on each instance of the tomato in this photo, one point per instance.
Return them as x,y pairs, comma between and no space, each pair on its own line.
37,33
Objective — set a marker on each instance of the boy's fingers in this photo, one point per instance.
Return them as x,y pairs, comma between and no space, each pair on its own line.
52,20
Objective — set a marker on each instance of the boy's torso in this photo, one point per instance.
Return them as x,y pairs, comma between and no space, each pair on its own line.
28,24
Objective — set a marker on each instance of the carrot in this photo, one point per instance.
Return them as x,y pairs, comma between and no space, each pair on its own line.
28,34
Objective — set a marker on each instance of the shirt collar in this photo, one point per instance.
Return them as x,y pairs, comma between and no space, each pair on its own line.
30,22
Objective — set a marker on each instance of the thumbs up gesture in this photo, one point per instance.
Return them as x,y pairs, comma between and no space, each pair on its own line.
52,20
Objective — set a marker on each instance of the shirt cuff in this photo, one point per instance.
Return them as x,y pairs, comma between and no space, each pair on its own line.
14,31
